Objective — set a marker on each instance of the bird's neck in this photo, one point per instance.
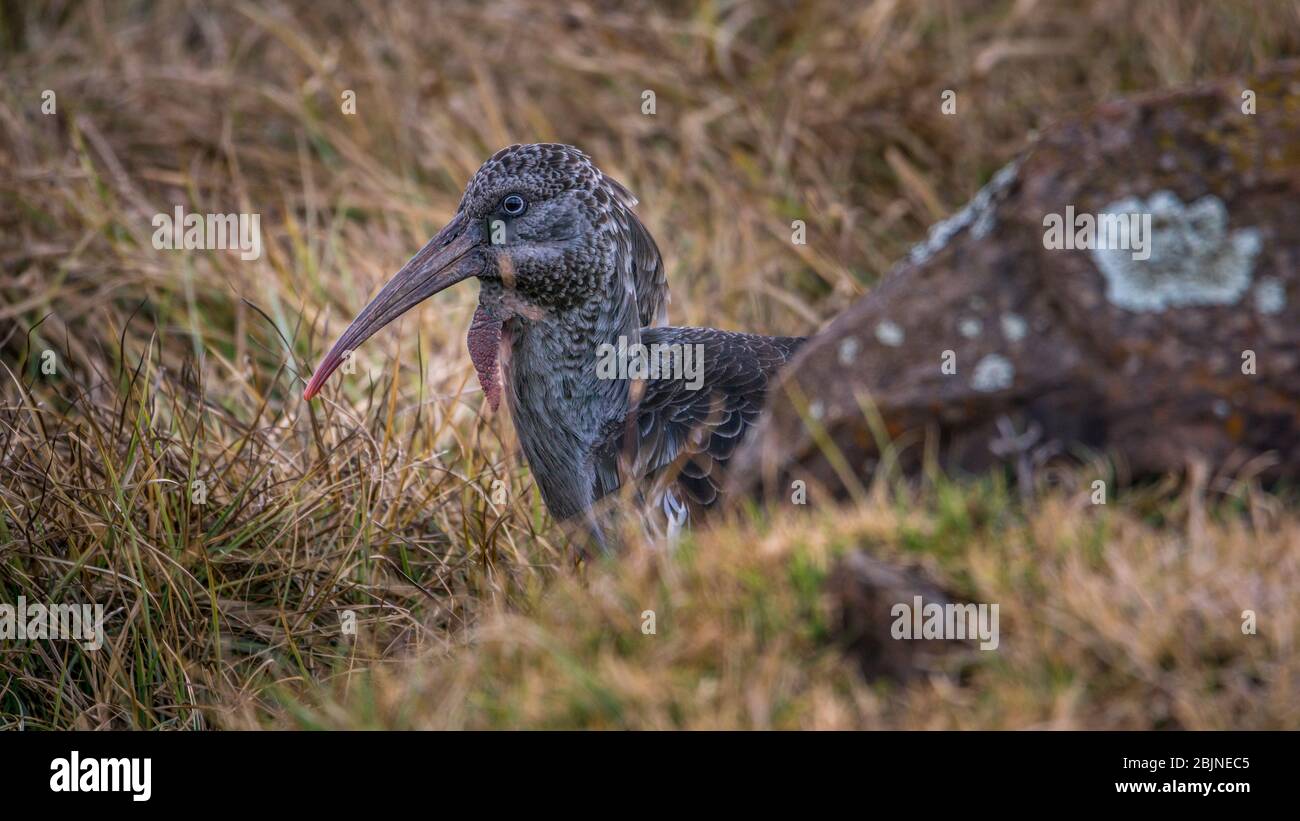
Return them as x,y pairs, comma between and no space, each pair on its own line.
558,398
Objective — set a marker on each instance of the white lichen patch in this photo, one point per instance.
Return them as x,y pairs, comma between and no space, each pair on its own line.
1194,259
970,327
979,215
888,333
992,373
1014,327
1270,295
848,350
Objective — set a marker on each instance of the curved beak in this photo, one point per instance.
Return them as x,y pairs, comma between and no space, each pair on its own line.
444,261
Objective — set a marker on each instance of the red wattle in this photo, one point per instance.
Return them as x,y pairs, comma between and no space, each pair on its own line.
484,342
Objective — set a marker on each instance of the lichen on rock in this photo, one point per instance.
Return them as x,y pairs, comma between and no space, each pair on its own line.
888,333
992,373
1014,327
1270,296
848,350
1194,259
970,327
978,215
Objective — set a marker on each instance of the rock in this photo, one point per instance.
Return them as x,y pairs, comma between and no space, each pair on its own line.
987,345
864,592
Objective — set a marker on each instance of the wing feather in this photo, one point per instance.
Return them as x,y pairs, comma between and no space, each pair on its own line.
684,435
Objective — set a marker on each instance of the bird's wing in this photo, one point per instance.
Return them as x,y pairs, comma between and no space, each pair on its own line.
643,263
648,276
686,425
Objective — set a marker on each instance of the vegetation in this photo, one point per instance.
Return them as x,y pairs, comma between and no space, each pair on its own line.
400,500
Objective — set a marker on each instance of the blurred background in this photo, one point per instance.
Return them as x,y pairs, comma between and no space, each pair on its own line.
401,501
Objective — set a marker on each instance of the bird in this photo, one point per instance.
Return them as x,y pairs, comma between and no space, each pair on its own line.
572,286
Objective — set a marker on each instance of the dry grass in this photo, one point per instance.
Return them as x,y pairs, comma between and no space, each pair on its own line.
1105,622
175,367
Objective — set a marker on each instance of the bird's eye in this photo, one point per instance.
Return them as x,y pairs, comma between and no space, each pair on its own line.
513,205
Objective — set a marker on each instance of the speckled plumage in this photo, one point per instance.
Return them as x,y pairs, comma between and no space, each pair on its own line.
575,270
582,435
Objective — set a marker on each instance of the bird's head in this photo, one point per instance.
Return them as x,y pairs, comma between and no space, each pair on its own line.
545,232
